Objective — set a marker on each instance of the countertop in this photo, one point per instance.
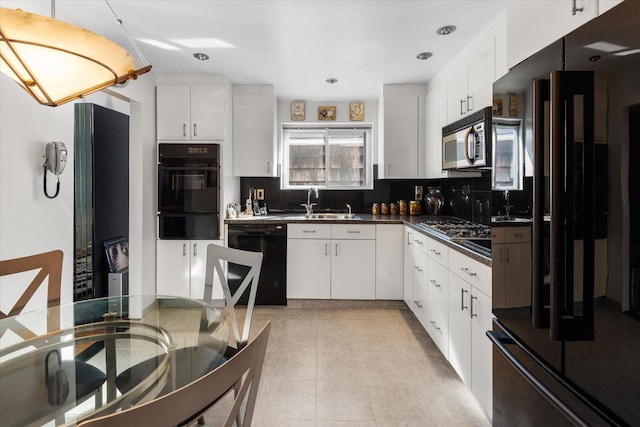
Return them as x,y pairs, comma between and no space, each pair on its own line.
409,220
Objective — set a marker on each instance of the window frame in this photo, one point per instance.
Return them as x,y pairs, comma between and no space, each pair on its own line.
367,168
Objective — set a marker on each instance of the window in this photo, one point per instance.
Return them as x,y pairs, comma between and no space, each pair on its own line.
329,158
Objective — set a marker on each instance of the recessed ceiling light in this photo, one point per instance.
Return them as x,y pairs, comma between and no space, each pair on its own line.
201,56
446,30
159,44
200,43
595,58
605,46
331,80
424,55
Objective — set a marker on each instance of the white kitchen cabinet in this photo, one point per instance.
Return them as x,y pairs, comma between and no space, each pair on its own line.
436,119
511,266
389,261
470,78
470,352
534,24
407,261
438,309
190,113
331,261
181,267
404,127
254,130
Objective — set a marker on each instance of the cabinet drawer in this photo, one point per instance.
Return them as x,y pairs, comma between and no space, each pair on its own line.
420,267
438,282
472,271
355,231
420,241
510,234
308,231
438,251
420,304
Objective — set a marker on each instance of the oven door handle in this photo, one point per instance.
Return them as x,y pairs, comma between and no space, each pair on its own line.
188,168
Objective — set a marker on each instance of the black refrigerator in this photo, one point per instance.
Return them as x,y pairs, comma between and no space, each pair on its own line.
573,356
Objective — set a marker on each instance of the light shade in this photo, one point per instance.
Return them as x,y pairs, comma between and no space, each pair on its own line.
56,62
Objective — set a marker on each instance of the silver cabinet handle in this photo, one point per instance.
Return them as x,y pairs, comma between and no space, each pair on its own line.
308,231
576,9
418,268
184,249
353,231
417,303
336,249
195,249
462,112
507,254
408,238
469,102
435,325
184,129
469,272
436,284
518,235
195,129
462,292
419,242
435,252
471,313
268,166
326,249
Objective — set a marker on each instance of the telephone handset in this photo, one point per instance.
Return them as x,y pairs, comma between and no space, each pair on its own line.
56,160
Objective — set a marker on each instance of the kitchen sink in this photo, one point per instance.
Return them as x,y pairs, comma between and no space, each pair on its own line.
505,218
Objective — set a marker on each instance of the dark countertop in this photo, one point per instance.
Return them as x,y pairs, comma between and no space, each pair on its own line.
409,220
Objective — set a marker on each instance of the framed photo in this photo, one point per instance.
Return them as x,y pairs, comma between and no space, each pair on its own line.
513,105
356,111
297,111
117,254
326,113
497,107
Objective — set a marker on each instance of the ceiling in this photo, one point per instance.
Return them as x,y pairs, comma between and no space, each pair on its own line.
294,44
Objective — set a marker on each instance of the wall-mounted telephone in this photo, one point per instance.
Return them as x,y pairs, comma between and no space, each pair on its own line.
55,161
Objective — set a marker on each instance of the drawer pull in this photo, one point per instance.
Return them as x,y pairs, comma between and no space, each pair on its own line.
353,231
435,325
326,249
471,311
462,292
518,234
436,252
419,242
436,284
418,268
308,231
417,303
469,272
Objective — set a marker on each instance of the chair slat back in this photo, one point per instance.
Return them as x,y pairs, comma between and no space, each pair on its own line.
241,373
217,258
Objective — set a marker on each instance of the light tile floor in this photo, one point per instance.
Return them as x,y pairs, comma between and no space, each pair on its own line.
360,367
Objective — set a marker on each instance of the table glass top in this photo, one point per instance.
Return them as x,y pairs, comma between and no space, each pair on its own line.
64,364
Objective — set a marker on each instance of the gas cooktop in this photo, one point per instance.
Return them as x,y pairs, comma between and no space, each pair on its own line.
457,229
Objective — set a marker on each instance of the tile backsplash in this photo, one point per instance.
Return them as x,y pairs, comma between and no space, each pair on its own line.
467,198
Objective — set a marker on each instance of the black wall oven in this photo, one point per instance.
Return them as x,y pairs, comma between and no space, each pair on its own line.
188,191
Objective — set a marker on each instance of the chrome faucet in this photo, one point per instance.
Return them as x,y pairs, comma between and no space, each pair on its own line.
349,210
507,207
309,206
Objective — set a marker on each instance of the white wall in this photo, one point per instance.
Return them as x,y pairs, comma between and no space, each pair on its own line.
30,223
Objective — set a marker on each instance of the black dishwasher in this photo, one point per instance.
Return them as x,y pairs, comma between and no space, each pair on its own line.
271,240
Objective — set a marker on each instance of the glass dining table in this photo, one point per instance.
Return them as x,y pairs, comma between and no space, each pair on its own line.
66,364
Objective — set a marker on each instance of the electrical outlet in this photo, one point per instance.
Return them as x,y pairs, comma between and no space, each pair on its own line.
259,193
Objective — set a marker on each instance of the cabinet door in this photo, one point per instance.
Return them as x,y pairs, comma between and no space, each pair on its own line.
308,268
408,266
534,24
481,71
173,268
198,249
498,278
207,112
438,289
254,145
460,327
436,118
481,349
456,89
401,122
352,275
173,113
517,274
388,261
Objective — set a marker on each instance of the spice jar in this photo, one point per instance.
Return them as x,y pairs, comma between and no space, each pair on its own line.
415,207
402,205
375,209
384,209
393,209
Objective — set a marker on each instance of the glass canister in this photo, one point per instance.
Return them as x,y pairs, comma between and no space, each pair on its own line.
402,207
393,209
384,209
415,207
434,201
375,209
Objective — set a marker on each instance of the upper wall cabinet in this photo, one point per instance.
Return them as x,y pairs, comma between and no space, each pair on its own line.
190,113
534,24
470,78
404,132
254,130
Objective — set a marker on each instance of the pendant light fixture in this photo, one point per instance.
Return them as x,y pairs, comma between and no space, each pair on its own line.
57,62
